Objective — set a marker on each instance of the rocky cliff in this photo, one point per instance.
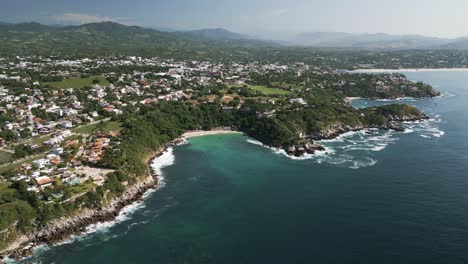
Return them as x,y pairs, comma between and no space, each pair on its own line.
62,229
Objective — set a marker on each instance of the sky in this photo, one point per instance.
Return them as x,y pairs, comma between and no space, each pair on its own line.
261,18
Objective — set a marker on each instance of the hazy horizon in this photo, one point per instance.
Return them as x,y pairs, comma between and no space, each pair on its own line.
273,19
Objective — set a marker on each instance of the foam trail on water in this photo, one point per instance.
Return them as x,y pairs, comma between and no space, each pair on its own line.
426,128
255,142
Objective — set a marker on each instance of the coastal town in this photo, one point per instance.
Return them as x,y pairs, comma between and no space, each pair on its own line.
61,119
229,132
51,129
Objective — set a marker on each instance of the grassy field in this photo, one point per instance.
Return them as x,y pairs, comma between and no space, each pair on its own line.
77,83
105,127
81,188
288,85
266,90
4,156
15,164
39,140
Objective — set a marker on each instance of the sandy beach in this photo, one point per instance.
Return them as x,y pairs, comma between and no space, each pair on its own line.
200,133
349,99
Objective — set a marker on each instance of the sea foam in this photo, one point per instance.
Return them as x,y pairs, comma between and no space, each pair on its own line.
165,160
355,149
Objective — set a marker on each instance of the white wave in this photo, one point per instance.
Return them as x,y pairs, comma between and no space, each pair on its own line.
350,149
183,141
439,133
284,153
345,149
355,149
255,142
426,128
378,148
357,164
436,119
148,193
127,211
124,215
165,160
444,94
342,137
411,99
37,250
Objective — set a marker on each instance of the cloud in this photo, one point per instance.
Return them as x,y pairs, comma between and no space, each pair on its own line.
279,12
78,18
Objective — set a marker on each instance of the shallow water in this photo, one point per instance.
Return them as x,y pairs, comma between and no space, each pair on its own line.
377,197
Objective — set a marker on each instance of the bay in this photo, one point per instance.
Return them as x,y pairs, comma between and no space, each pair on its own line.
375,197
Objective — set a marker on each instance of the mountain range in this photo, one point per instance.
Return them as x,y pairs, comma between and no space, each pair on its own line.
111,38
370,41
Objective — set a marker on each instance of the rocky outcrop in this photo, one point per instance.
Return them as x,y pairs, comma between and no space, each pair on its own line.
334,131
300,149
408,118
337,129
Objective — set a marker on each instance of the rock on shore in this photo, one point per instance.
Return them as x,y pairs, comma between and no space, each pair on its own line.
300,149
310,147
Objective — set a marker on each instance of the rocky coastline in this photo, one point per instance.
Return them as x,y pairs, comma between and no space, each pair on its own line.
63,229
308,145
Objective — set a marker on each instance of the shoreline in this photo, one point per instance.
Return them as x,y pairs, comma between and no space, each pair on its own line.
350,99
200,133
61,230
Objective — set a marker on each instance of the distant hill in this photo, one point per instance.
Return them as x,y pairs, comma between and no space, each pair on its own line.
216,34
319,38
165,29
368,41
114,38
459,43
110,38
223,37
26,27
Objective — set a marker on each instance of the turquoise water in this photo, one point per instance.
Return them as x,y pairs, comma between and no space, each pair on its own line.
376,197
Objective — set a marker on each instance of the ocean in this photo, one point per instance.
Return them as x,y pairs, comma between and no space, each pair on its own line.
373,197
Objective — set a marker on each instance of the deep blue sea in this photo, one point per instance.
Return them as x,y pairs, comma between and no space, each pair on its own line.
374,197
